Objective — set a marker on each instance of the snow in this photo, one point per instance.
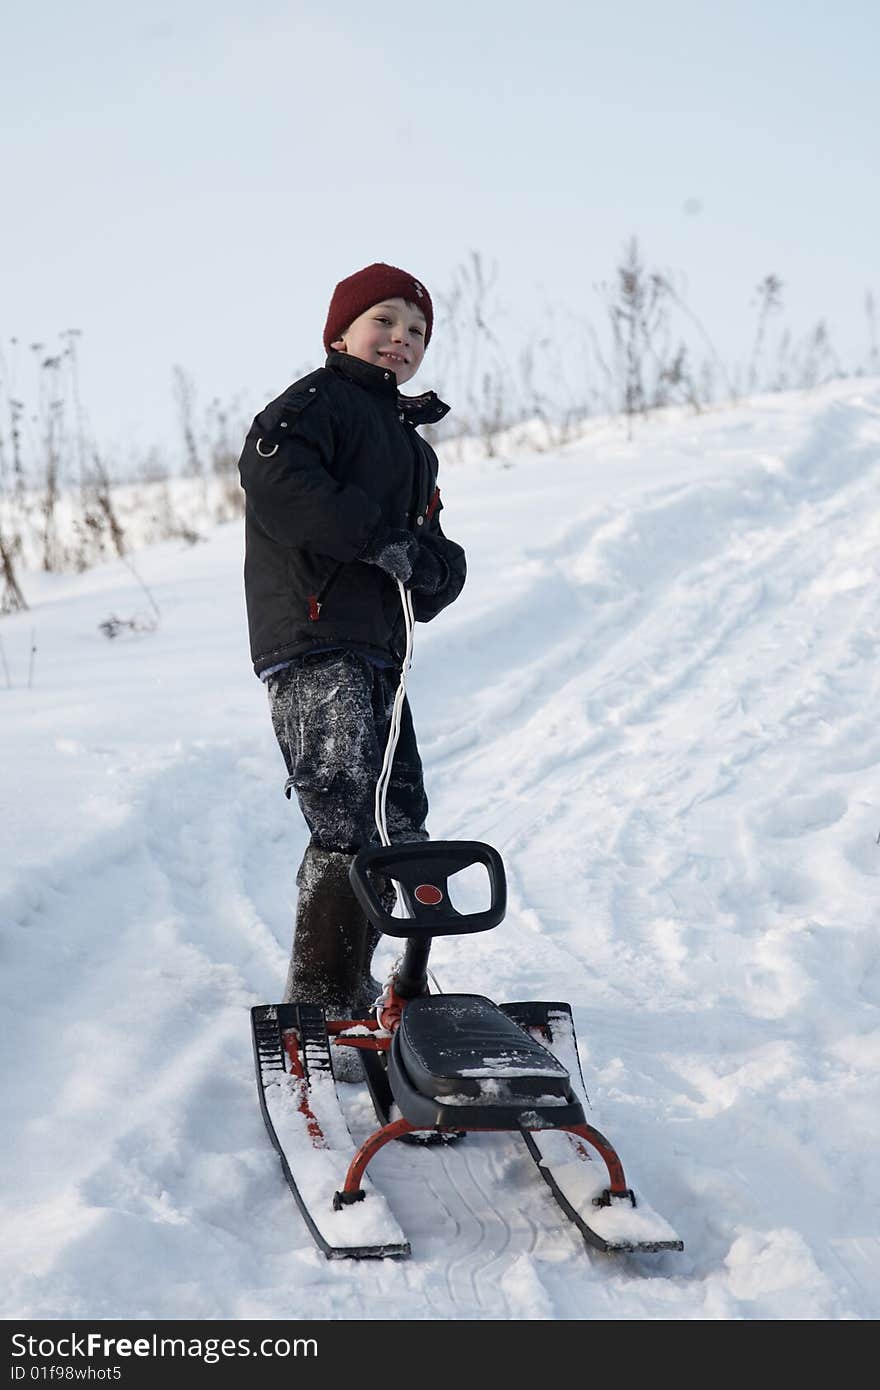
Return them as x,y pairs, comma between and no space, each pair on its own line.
657,698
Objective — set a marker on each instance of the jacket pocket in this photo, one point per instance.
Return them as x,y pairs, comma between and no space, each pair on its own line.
315,602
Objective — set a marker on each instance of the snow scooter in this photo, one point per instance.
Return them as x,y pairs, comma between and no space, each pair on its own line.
438,1066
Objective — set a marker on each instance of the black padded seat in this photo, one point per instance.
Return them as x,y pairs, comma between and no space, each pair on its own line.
462,1045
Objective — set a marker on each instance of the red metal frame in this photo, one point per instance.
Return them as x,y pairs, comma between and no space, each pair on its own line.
606,1152
391,1008
383,1136
369,1148
290,1042
386,1022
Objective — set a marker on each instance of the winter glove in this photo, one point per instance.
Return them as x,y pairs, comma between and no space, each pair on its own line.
430,573
395,552
403,556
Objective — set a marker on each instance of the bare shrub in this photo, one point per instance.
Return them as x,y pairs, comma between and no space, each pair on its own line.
650,368
873,362
470,362
114,627
769,299
184,396
12,599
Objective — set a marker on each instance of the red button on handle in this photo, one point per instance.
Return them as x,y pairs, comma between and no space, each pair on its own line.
428,895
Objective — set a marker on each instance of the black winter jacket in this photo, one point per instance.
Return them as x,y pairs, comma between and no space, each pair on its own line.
328,464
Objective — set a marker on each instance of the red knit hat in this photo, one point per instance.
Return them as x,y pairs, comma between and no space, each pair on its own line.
352,297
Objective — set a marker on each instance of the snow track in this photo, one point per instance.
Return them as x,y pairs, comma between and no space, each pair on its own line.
657,698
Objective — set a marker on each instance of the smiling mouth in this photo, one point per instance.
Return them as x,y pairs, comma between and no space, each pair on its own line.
393,357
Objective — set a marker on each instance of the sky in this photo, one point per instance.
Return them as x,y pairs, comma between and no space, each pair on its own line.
185,184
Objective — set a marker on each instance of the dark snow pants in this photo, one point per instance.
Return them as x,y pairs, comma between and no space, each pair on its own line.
331,713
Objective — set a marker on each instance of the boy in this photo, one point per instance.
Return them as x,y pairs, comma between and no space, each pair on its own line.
342,503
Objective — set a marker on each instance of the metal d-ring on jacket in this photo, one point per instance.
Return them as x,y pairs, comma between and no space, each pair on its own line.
325,466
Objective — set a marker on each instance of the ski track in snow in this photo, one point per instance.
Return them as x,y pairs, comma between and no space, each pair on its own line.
660,709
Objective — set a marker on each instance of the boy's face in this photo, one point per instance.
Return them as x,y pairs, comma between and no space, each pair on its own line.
390,335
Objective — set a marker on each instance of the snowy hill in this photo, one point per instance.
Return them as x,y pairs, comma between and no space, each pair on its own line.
657,697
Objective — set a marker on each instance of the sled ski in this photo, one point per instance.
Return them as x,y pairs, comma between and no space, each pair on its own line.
307,1127
608,1222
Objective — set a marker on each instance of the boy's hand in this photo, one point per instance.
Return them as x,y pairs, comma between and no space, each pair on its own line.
395,552
404,557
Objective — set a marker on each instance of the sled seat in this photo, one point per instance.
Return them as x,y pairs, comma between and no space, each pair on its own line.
457,1061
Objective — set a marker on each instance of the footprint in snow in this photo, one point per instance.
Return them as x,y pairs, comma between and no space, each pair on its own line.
802,815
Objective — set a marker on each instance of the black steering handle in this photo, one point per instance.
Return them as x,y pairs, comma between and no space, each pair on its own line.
422,870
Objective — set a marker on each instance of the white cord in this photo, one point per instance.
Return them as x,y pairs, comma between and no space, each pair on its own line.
393,736
396,717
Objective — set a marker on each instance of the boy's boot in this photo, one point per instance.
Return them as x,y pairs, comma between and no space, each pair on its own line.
327,961
370,988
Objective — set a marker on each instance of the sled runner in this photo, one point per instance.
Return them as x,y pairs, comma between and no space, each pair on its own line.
308,1129
438,1066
